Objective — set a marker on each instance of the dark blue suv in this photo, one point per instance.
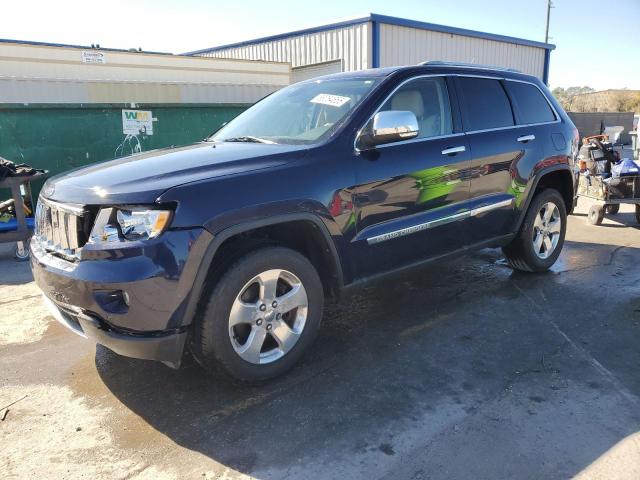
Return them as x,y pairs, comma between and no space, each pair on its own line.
231,246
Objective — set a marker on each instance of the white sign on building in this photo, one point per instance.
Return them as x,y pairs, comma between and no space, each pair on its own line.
135,122
93,57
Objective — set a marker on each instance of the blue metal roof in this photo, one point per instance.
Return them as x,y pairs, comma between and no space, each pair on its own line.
376,18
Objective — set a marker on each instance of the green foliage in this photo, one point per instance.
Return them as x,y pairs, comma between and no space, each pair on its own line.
586,99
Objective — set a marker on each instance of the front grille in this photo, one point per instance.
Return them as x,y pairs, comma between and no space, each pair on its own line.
60,228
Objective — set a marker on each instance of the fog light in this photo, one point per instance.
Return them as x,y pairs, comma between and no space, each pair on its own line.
112,301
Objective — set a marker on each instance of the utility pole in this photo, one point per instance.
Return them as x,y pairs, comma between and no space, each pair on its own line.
546,33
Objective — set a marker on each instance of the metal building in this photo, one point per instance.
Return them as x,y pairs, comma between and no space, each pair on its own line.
383,41
64,106
32,72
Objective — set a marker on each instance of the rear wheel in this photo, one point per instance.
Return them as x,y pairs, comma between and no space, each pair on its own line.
596,214
612,208
263,313
541,236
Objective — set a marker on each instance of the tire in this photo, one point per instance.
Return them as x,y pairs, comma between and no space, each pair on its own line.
595,215
221,340
638,213
525,255
612,208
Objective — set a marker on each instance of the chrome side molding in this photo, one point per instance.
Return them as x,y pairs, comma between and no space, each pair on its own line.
438,222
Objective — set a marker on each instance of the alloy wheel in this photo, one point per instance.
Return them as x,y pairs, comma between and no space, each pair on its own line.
268,316
546,230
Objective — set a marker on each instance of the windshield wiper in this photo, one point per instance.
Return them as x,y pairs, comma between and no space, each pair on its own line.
248,139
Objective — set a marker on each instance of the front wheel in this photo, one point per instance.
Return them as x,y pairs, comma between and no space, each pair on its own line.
595,215
538,243
262,315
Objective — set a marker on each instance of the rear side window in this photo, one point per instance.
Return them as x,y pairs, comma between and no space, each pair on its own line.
486,104
532,105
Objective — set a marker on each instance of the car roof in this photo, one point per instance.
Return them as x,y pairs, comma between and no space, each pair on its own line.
434,68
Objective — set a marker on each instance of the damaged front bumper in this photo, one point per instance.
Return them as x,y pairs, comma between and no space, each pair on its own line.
164,346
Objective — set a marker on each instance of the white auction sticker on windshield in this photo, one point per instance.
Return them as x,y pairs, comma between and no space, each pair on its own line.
331,100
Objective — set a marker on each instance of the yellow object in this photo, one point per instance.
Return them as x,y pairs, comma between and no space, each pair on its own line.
161,222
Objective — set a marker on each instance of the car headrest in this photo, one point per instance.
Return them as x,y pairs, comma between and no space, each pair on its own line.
408,100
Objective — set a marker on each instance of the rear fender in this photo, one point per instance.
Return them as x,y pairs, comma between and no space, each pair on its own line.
533,185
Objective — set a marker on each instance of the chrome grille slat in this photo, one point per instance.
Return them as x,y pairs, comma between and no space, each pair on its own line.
65,231
59,228
64,241
55,226
47,224
73,232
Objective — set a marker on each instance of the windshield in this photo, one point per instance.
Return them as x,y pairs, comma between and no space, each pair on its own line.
299,114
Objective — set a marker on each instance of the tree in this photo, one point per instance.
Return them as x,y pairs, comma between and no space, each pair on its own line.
567,97
586,99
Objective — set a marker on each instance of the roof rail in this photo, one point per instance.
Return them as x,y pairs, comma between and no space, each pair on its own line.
468,65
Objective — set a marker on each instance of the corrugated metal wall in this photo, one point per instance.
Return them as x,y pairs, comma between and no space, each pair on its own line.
401,45
56,91
43,74
58,112
311,71
350,44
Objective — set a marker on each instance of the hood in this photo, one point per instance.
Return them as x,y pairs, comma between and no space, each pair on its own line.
143,177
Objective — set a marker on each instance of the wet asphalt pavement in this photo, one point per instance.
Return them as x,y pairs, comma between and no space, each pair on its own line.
465,369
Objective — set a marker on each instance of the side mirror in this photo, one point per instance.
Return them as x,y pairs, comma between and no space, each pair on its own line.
388,127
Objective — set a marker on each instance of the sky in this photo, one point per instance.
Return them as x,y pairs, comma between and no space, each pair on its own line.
598,42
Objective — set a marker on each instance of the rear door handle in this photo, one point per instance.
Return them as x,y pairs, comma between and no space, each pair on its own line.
526,138
453,150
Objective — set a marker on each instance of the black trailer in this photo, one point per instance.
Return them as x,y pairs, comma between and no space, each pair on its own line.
607,198
605,179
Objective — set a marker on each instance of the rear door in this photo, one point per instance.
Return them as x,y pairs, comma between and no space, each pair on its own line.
502,152
411,196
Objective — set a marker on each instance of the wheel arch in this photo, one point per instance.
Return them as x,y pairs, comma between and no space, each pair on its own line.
558,177
312,240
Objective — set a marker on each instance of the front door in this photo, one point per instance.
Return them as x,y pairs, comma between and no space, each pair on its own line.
411,197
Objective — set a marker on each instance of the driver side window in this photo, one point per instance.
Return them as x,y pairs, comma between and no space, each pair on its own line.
428,99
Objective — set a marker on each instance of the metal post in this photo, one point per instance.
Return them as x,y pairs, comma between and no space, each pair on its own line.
546,33
18,205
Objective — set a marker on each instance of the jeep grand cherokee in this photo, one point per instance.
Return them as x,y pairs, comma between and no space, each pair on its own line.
230,247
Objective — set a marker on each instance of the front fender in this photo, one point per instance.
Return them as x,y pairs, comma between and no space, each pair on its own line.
223,227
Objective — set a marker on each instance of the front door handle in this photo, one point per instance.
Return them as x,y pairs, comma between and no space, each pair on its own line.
526,138
453,150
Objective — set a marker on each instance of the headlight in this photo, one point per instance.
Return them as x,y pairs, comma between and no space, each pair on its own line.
135,223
